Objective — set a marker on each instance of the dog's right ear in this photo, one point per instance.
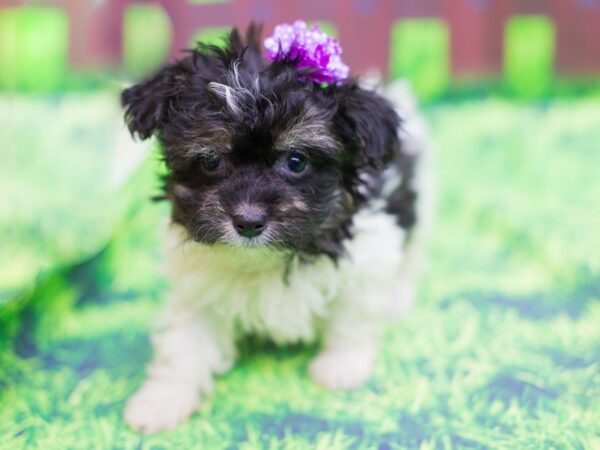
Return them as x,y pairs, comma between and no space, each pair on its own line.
147,103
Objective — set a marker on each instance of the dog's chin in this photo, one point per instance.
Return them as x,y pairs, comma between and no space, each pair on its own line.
244,242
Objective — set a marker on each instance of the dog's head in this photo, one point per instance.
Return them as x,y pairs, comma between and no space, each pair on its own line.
257,153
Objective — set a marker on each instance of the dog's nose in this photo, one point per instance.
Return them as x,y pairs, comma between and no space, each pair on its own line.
250,223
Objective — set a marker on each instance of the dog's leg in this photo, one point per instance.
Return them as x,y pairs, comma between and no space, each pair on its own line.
188,351
348,352
405,290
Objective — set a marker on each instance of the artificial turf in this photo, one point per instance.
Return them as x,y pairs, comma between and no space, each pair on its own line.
502,350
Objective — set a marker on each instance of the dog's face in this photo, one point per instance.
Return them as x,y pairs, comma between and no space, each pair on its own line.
256,155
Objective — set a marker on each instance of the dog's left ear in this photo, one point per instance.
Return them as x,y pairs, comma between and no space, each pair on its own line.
369,122
147,103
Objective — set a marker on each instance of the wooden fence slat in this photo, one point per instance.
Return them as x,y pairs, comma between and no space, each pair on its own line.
577,36
476,35
412,9
364,27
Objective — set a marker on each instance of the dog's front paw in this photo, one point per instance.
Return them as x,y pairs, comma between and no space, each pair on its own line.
161,405
342,368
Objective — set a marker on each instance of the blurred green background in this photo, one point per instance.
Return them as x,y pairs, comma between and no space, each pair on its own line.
34,55
502,351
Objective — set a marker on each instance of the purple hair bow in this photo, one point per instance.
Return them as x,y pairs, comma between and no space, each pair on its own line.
311,48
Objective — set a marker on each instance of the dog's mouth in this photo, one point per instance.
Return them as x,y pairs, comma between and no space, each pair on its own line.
250,234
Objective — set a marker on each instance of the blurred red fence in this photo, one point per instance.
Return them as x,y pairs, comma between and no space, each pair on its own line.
476,27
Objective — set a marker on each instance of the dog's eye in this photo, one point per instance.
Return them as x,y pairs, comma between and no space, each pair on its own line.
296,163
212,163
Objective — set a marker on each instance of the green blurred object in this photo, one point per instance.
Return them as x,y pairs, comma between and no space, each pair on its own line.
420,53
53,180
65,189
326,27
147,37
211,36
529,56
33,49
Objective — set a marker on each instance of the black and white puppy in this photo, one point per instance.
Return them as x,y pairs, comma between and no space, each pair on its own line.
294,216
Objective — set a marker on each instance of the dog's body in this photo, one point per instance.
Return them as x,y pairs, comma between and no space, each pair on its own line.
299,223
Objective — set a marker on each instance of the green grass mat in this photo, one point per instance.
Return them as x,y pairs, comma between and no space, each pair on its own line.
501,352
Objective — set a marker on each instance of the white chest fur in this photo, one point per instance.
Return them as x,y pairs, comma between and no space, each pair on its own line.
249,286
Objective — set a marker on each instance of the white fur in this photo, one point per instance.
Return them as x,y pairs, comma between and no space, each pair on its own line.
231,96
221,291
415,138
247,285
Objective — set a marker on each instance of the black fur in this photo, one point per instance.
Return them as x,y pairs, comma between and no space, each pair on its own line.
309,213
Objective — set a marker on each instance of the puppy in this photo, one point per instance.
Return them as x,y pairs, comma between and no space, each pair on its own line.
294,216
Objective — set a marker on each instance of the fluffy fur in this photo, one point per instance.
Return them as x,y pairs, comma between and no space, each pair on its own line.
294,212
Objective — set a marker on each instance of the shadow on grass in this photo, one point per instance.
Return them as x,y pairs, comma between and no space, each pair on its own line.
572,301
412,430
506,387
121,354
